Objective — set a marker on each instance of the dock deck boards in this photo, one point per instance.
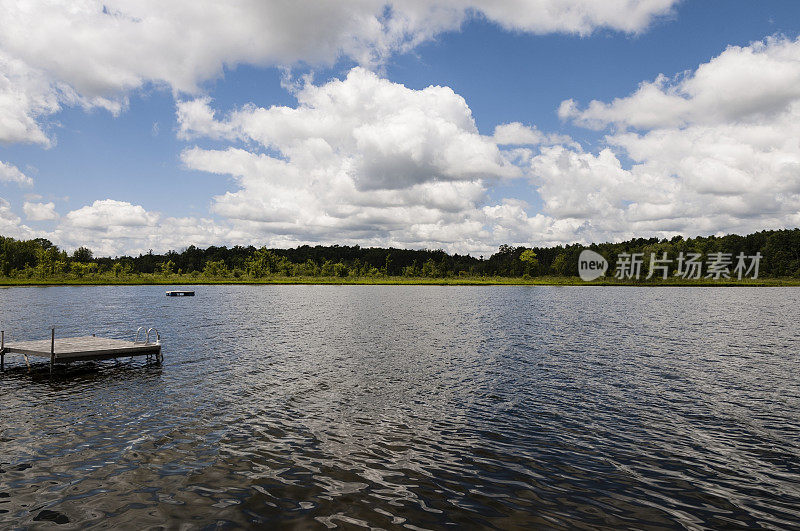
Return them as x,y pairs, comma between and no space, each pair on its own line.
82,348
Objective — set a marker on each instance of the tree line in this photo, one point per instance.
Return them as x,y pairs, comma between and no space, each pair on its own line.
41,259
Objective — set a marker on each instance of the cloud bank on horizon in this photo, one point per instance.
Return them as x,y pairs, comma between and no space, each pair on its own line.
363,159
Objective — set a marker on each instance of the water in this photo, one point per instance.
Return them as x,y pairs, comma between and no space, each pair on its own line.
417,406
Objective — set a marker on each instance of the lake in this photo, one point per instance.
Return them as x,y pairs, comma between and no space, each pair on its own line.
416,406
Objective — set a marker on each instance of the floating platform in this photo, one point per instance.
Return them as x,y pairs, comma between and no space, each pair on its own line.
84,348
180,293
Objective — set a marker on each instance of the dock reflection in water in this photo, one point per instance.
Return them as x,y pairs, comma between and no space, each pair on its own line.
421,405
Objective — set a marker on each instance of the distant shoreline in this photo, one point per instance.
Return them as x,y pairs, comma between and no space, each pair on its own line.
186,280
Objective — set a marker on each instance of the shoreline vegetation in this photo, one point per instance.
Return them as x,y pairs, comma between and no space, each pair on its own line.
40,263
186,280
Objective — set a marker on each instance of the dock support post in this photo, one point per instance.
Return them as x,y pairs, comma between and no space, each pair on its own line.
52,348
2,350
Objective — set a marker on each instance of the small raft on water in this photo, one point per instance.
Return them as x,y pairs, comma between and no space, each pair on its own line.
180,293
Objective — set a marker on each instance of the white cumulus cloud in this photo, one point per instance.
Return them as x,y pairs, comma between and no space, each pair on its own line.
743,84
107,213
573,16
110,227
39,211
92,53
10,224
360,159
714,150
11,174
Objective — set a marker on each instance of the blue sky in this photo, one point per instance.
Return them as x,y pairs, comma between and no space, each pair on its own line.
122,181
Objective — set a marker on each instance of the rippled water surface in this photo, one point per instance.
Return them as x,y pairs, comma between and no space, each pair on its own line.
417,406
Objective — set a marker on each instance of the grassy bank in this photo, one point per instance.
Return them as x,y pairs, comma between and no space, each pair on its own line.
171,280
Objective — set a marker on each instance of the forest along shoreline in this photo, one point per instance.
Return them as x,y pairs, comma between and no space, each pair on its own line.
401,281
766,258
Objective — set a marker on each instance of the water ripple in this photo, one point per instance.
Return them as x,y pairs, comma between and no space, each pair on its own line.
410,406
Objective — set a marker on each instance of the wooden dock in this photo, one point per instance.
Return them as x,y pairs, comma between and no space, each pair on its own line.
85,348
